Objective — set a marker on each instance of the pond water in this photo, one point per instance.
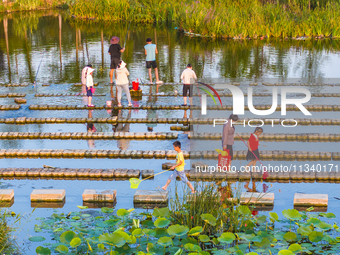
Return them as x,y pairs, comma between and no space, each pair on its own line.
63,46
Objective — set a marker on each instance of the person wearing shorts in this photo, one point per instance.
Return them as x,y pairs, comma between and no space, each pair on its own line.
189,78
150,52
115,52
178,168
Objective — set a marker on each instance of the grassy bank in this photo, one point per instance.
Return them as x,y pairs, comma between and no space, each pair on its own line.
30,5
223,18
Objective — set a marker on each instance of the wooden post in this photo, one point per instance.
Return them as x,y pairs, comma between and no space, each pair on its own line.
102,41
60,23
7,48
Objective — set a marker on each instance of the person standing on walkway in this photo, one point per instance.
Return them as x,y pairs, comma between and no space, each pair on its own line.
228,136
115,52
89,86
150,52
189,78
122,82
83,78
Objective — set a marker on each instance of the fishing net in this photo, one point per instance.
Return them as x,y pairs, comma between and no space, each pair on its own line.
134,183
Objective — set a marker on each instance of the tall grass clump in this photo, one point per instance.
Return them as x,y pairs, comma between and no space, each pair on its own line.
7,244
223,18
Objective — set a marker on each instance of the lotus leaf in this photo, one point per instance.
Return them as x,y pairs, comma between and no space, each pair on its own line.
273,216
82,207
122,212
244,210
192,247
315,236
285,252
161,212
226,237
137,232
323,226
42,251
195,231
208,218
37,238
161,223
295,248
75,242
67,237
165,241
291,214
113,239
204,238
290,236
304,231
106,210
62,248
177,230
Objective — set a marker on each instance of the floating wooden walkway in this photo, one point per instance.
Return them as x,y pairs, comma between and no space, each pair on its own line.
13,95
184,121
89,135
161,154
74,173
175,107
172,94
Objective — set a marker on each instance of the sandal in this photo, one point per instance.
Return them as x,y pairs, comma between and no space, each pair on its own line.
130,105
119,105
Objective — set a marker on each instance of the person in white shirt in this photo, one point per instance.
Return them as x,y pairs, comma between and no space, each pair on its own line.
89,85
189,78
83,78
122,82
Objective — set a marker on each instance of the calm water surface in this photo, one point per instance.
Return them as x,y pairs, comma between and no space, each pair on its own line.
63,46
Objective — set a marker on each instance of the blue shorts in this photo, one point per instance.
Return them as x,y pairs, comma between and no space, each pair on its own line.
180,174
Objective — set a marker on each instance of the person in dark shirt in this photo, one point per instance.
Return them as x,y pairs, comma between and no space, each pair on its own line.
115,51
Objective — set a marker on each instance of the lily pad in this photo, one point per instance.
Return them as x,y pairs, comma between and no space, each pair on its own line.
192,247
295,248
204,238
273,216
323,226
290,237
195,231
122,212
208,218
106,210
292,214
161,223
137,232
113,239
67,236
286,252
244,210
37,238
177,230
315,236
82,207
62,249
42,251
75,242
165,241
226,238
161,212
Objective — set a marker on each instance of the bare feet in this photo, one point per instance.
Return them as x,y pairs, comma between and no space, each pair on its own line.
193,192
164,188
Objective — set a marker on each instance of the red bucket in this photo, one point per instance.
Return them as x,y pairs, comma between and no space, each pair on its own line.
135,85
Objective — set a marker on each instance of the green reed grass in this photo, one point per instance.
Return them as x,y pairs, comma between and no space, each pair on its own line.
223,18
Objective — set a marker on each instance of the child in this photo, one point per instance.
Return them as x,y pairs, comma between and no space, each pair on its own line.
83,77
188,77
150,52
115,52
122,82
179,168
253,145
89,85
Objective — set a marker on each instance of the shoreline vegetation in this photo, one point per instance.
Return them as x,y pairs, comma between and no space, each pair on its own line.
244,19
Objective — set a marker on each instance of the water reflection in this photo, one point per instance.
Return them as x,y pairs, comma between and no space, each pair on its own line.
71,44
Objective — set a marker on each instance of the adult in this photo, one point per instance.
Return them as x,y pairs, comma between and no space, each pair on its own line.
188,78
150,52
122,82
83,78
228,136
115,52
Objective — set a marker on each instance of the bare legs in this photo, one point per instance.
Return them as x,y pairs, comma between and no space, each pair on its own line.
185,100
150,75
188,183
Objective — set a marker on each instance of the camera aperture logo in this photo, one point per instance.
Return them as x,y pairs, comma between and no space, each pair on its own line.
238,100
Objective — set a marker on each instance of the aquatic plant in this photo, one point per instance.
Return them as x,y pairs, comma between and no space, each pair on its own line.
7,244
231,19
124,232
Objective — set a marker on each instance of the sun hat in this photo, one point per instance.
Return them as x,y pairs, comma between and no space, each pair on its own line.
122,65
114,40
89,70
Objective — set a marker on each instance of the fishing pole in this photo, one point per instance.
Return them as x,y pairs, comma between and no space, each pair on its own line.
36,75
127,34
265,173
